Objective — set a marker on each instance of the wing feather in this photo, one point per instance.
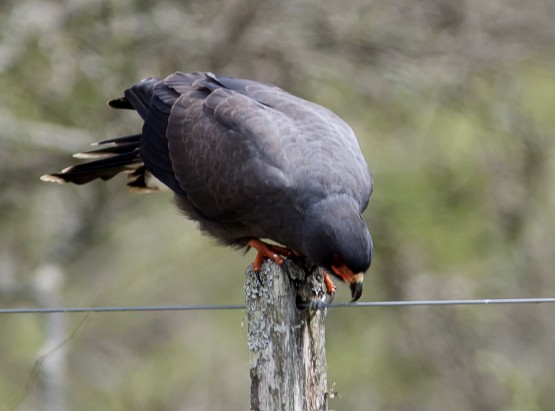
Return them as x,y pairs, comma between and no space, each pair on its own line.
238,146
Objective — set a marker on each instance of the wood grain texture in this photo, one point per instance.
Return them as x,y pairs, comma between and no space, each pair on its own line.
287,352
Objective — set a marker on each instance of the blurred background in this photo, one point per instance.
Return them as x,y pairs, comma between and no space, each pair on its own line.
453,105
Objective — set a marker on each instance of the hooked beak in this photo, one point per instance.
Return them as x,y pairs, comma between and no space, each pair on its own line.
355,281
356,288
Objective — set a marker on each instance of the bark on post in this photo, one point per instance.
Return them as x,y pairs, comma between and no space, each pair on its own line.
286,345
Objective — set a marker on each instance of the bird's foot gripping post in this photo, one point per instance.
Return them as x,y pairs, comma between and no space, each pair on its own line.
271,251
276,254
286,343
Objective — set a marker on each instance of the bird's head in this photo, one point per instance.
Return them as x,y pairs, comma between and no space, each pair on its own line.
336,237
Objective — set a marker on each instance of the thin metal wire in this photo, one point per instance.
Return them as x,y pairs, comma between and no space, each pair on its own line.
68,310
151,308
486,301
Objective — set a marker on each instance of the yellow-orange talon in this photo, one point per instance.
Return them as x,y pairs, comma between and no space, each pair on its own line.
330,286
270,251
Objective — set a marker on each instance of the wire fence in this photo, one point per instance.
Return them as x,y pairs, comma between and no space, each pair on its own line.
364,304
33,375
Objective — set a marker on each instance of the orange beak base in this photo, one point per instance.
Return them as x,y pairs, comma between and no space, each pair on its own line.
354,280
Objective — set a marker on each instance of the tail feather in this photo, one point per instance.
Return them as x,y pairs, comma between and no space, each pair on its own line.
109,151
137,97
134,138
120,103
122,155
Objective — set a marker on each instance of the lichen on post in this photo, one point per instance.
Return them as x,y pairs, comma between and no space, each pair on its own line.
287,353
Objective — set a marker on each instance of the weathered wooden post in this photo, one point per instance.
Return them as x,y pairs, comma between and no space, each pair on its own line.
287,352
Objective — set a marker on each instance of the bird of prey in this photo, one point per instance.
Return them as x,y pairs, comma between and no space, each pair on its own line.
247,161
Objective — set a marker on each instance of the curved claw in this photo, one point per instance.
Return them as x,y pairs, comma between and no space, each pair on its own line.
257,273
331,297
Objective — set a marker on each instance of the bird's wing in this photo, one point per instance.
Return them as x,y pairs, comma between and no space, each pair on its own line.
238,144
331,158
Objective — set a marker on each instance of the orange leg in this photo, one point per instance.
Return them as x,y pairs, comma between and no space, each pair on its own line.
330,286
264,250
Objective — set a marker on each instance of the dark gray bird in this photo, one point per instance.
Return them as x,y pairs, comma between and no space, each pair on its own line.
248,161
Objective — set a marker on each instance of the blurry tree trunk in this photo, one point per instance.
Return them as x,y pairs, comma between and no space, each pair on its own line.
287,353
48,281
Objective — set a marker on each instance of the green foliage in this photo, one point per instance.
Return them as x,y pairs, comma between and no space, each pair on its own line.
453,106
